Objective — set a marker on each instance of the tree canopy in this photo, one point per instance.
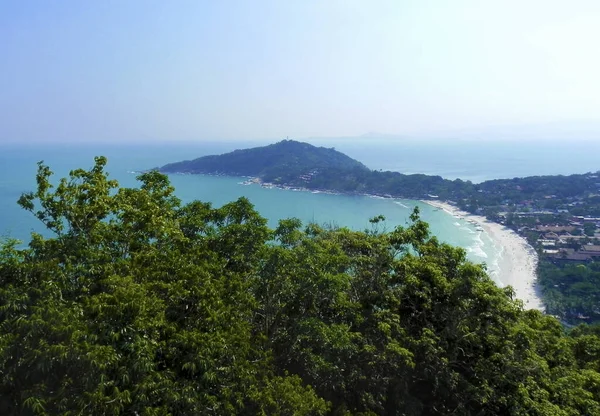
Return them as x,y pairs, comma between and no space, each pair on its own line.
285,159
139,304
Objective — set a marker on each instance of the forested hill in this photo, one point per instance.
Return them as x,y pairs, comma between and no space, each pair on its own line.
297,164
293,163
287,158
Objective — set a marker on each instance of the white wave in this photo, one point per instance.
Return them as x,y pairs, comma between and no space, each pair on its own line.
401,204
477,250
494,267
478,239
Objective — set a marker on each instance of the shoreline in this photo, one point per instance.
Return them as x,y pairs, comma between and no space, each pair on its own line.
518,263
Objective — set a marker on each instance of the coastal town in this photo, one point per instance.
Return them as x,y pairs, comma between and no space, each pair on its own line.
557,235
563,229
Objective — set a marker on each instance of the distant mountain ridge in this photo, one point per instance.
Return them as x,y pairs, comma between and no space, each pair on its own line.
283,159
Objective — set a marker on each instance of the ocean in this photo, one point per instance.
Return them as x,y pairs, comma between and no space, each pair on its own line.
475,161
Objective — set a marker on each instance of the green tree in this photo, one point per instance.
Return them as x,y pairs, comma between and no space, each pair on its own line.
589,229
139,304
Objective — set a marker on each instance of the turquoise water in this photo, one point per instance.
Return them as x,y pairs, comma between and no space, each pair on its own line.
18,167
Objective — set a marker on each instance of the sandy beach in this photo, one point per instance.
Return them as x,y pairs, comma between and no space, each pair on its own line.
519,260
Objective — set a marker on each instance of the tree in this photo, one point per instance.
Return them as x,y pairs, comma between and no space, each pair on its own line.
589,229
139,304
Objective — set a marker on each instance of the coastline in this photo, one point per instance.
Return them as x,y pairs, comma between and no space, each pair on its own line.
518,264
519,261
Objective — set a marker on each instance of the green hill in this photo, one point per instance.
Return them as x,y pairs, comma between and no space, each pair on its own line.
286,159
295,163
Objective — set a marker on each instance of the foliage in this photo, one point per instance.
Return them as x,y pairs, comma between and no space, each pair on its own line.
299,164
286,159
142,305
571,291
589,229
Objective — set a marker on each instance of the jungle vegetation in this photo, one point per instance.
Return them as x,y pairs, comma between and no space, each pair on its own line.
139,304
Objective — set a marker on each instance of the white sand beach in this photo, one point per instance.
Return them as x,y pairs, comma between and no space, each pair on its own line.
519,260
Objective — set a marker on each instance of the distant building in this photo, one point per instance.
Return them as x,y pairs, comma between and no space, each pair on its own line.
585,219
591,249
565,258
556,228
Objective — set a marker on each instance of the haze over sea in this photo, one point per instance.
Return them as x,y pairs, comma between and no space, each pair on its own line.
468,160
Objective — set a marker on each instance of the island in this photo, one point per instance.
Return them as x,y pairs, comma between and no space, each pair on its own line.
557,216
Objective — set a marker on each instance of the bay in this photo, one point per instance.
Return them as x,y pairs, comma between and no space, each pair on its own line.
18,167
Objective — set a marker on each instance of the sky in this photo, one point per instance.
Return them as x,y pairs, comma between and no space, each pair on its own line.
117,70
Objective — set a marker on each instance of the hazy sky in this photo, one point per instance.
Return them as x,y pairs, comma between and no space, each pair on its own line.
139,70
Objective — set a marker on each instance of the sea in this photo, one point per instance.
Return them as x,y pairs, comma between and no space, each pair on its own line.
466,159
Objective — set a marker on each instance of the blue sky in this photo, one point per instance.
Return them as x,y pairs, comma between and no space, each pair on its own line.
195,70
